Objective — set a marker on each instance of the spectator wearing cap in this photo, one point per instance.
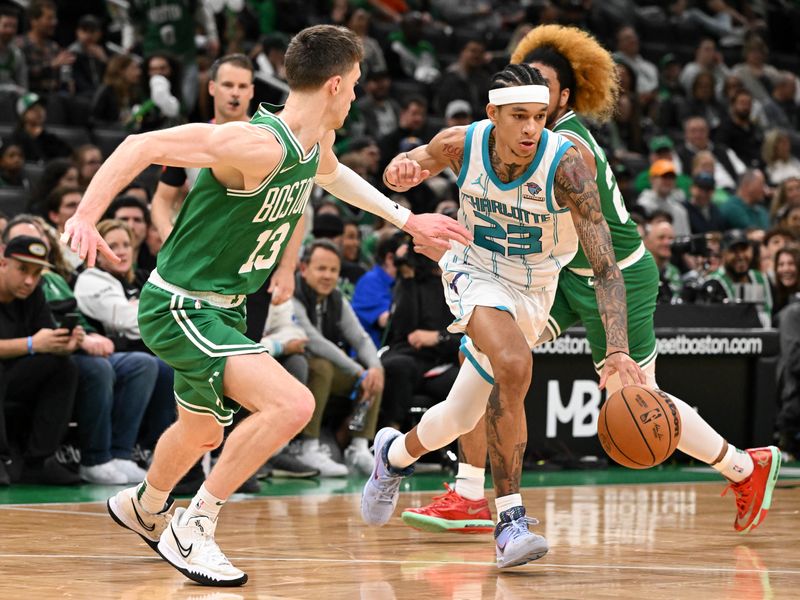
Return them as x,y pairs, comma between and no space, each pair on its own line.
704,215
457,113
728,166
90,57
13,69
379,112
466,79
662,148
47,62
38,379
735,281
664,195
706,58
745,209
38,144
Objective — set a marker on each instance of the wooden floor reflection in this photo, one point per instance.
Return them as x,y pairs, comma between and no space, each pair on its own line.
655,541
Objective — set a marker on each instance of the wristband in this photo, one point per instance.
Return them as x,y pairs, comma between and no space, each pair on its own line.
30,345
618,352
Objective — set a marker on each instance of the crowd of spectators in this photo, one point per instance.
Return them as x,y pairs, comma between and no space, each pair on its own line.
704,144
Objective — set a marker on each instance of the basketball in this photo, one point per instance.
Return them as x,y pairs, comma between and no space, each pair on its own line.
639,427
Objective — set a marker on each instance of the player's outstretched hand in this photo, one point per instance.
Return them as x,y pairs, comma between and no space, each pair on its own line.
84,239
434,229
435,254
404,173
621,363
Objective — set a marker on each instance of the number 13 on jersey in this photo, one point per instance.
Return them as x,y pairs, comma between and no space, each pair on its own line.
260,261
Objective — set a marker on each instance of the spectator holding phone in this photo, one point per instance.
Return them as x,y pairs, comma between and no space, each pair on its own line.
38,379
114,388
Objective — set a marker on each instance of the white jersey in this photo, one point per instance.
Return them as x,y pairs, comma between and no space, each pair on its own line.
521,234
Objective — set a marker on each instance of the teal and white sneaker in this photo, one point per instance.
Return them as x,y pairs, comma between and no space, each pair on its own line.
516,544
379,498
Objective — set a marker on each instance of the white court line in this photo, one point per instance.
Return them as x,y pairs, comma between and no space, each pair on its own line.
581,566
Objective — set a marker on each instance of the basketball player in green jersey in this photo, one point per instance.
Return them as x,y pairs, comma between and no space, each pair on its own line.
581,77
238,224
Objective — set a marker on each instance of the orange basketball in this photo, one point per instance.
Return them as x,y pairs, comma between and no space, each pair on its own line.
639,427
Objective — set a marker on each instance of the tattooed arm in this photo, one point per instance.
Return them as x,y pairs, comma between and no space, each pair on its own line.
410,168
575,188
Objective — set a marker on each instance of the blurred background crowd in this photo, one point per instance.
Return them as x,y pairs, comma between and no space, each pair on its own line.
704,145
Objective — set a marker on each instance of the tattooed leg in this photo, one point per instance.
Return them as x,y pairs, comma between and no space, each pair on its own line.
498,336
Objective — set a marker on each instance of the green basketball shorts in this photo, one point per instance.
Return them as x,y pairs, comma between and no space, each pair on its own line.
195,336
576,301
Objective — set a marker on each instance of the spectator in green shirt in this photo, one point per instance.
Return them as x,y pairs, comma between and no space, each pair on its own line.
745,209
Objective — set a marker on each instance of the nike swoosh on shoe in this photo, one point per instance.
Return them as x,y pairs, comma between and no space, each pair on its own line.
185,552
139,518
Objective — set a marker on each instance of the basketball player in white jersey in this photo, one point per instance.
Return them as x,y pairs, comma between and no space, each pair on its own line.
528,198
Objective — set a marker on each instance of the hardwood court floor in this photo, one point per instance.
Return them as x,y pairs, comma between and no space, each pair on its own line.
616,541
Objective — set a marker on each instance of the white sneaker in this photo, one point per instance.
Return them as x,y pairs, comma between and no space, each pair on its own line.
359,459
130,469
126,511
319,456
104,474
188,545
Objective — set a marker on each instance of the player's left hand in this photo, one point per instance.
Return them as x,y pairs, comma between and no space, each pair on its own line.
434,229
621,363
281,285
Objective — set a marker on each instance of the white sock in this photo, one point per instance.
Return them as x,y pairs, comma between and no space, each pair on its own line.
204,504
398,455
470,481
736,465
503,503
359,443
150,498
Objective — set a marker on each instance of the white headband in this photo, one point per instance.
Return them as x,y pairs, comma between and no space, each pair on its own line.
520,94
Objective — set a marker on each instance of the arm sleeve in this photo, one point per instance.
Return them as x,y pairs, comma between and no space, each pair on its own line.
102,298
358,339
321,346
346,185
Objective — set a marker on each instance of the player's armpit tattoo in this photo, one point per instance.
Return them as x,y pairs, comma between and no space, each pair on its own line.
575,188
454,155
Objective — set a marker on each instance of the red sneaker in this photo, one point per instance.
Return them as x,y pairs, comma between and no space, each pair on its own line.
452,513
754,494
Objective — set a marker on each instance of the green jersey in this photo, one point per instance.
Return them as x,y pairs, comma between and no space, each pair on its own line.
624,234
228,241
166,25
